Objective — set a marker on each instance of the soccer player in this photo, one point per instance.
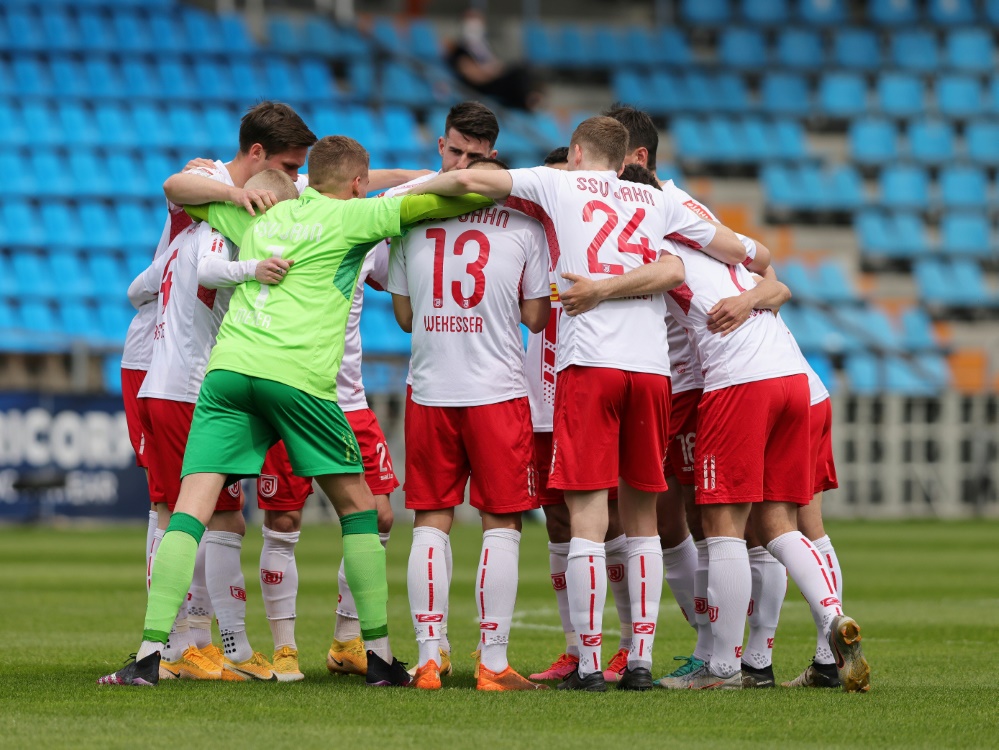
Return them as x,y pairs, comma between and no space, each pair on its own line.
611,406
272,377
470,133
462,287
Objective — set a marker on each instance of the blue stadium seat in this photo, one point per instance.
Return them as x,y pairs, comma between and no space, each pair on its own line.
933,367
53,177
843,188
639,43
102,231
575,45
690,141
202,30
60,31
765,12
992,11
893,13
114,318
788,139
150,121
931,141
801,49
785,94
970,281
959,97
125,174
12,129
96,34
868,327
166,32
857,49
982,141
671,48
864,374
362,80
907,379
221,128
798,279
401,130
873,141
875,235
706,12
812,329
423,41
32,276
284,35
402,85
905,186
235,37
380,334
934,282
823,367
964,187
77,320
175,77
780,186
25,31
822,12
188,128
726,139
952,12
901,94
67,77
27,183
910,234
607,48
832,283
915,49
103,78
134,219
965,234
360,123
842,95
38,317
730,94
111,370
69,276
139,80
742,49
387,34
78,125
131,32
90,176
108,272
7,81
970,50
917,330
539,47
41,124
282,82
30,76
994,94
21,224
114,126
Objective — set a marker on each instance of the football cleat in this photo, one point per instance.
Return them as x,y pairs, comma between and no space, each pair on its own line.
506,680
382,674
637,679
144,672
844,640
816,676
192,665
255,668
347,657
757,678
592,683
561,668
673,679
214,653
445,667
616,666
285,663
704,679
427,677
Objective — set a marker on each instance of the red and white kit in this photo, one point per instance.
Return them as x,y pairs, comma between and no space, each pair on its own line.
468,412
752,430
597,226
687,386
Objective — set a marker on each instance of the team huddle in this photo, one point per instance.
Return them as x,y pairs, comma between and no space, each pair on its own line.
651,324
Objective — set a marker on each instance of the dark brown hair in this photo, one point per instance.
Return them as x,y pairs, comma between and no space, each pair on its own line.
276,127
558,155
638,173
641,130
473,120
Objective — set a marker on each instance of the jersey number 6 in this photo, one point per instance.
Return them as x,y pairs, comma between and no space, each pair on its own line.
473,269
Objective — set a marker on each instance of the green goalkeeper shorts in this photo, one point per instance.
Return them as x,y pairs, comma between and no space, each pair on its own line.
239,417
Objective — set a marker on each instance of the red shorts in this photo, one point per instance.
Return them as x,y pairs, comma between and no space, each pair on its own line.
165,426
823,468
278,489
543,461
609,424
378,471
752,443
682,435
131,382
492,443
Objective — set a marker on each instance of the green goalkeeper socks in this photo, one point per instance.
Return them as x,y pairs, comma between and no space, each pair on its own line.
173,571
364,567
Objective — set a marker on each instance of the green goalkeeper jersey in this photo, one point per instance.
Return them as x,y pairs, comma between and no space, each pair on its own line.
293,332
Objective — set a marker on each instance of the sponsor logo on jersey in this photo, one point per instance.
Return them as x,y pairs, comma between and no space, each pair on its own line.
237,593
268,485
591,640
644,628
615,572
558,581
698,209
271,577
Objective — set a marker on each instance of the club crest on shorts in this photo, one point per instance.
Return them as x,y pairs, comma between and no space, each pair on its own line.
615,572
271,577
268,485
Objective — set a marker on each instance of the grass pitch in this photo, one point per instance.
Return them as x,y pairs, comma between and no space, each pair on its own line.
71,606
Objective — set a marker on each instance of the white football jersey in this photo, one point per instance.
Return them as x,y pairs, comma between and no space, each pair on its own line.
597,226
188,315
759,349
540,364
465,278
349,385
684,362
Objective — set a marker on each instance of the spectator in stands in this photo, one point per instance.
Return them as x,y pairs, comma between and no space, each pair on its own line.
475,64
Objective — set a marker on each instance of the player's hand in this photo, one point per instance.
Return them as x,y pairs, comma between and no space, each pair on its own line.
199,164
254,199
272,271
730,313
582,296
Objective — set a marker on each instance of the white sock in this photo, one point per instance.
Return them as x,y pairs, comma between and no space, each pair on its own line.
279,584
680,563
729,585
199,604
645,581
449,561
557,561
148,647
705,642
617,577
496,594
427,582
228,591
348,626
767,594
805,566
179,639
154,519
586,579
823,655
154,544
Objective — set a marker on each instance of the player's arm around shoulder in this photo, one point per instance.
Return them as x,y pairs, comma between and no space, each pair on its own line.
730,313
652,278
492,183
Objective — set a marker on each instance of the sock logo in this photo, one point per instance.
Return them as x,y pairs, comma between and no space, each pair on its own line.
738,652
713,614
752,606
558,581
829,601
644,628
271,577
267,484
615,572
700,605
488,626
591,640
770,643
430,618
237,593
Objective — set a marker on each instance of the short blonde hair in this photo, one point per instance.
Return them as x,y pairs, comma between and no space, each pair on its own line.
274,180
604,138
335,161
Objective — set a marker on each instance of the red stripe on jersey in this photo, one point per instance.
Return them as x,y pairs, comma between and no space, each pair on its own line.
535,211
682,295
179,221
677,237
207,296
735,278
